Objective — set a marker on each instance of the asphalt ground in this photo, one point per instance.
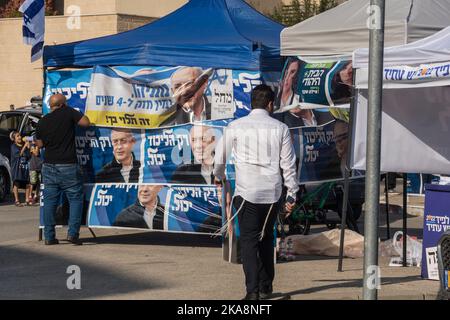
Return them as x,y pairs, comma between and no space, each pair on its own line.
120,264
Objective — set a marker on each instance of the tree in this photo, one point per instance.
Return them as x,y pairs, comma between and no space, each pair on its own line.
11,8
300,10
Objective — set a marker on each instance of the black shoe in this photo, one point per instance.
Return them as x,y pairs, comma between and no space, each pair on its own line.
51,242
264,295
251,296
74,240
265,292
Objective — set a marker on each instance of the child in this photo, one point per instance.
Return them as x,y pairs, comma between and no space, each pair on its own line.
20,155
35,173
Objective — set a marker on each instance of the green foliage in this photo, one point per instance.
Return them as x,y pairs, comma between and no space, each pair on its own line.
300,10
11,8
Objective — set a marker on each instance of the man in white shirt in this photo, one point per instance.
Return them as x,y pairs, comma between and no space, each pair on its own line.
261,146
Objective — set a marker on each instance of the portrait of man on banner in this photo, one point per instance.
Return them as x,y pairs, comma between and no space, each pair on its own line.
146,213
188,86
124,167
202,143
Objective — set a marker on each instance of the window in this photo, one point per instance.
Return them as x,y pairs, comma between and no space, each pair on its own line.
10,121
30,126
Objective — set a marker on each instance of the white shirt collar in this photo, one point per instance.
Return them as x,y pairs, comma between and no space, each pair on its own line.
202,115
149,215
259,111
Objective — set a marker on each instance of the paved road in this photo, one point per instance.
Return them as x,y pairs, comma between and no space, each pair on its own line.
137,265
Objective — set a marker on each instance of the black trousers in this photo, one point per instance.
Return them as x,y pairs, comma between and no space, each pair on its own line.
257,254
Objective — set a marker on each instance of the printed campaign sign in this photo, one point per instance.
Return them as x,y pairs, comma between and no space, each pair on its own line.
432,263
315,148
181,154
148,131
176,208
436,222
154,86
222,100
313,101
150,97
73,84
315,86
423,72
119,99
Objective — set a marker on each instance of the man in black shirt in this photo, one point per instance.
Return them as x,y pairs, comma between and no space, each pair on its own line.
60,173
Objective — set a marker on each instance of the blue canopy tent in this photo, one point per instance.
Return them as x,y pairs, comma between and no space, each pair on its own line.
205,33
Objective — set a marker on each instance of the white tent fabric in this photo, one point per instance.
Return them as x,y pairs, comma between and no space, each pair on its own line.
416,107
433,49
415,127
336,33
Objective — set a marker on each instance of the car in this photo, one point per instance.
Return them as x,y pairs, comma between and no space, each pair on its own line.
5,178
23,120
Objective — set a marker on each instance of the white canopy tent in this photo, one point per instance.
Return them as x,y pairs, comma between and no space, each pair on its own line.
336,33
416,107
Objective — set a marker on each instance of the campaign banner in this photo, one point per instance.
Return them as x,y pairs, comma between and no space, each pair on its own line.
436,222
153,97
73,84
175,208
433,71
315,86
180,154
138,100
315,148
226,96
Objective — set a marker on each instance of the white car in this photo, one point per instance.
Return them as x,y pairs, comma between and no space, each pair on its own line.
5,177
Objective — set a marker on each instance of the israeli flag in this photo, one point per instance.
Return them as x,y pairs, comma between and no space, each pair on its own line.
34,26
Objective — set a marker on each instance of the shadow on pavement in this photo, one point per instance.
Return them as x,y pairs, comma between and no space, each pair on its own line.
25,274
351,283
159,238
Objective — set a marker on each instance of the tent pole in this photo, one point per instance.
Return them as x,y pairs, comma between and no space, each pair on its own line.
343,219
347,172
386,195
405,216
372,190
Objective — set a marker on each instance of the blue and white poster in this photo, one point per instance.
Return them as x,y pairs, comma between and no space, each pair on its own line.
436,222
182,154
205,94
176,208
74,85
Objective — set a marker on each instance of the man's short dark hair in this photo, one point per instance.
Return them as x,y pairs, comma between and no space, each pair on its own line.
262,95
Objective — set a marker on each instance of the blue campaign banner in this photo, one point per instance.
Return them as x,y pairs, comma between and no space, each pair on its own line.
174,208
180,154
107,155
73,84
436,222
315,148
243,83
222,85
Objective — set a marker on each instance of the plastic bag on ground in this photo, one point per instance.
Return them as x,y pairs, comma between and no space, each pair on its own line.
327,244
